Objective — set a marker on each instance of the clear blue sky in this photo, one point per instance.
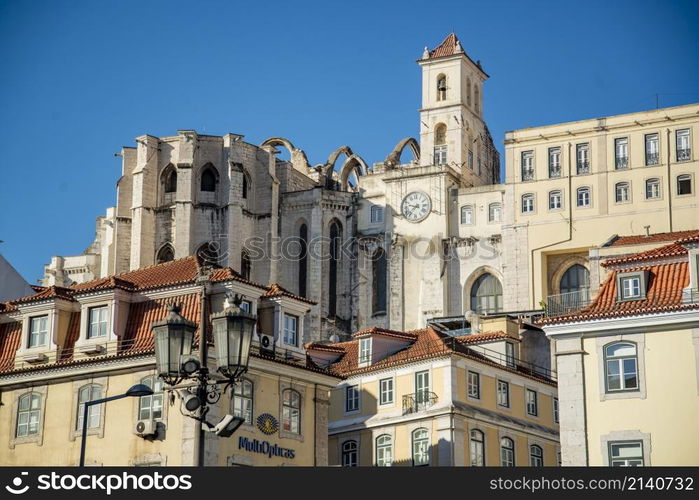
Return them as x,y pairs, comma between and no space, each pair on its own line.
79,79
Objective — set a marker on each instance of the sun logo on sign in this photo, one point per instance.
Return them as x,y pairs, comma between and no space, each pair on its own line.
267,424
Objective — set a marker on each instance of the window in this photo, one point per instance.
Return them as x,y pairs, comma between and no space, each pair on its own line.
477,448
98,322
575,279
684,184
440,155
335,243
626,454
467,214
532,403
582,152
379,266
246,306
652,151
38,331
474,385
503,394
555,410
351,398
527,165
365,350
290,336
536,456
151,406
555,200
476,98
441,87
350,454
583,196
495,212
527,203
94,413
622,192
554,162
208,180
421,447
621,148
386,391
243,400
510,354
166,254
245,265
170,180
291,411
376,214
684,150
303,259
507,452
470,159
630,287
652,189
384,450
621,362
486,294
28,414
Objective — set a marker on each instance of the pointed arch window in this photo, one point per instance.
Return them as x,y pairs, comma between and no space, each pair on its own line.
468,92
486,294
246,186
170,180
208,180
378,302
245,265
335,244
477,99
166,254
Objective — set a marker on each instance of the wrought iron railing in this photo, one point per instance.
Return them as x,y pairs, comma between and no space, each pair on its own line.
621,162
418,401
652,158
554,171
527,174
684,154
583,166
564,303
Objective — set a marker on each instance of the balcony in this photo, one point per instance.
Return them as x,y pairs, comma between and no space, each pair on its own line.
527,175
684,154
583,166
652,159
564,303
554,171
418,401
621,162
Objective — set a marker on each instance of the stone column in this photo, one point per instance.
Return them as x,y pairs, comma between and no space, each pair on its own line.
571,401
321,405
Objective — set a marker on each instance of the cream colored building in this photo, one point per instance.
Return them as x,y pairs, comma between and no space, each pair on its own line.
628,364
431,397
61,347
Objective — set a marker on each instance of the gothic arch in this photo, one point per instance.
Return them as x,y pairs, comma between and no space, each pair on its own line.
332,159
165,254
353,164
471,280
298,157
207,253
393,157
555,285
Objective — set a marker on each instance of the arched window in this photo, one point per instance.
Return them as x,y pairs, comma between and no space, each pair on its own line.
378,272
421,447
468,92
441,87
170,179
350,454
208,180
335,244
575,278
245,265
583,196
536,456
384,450
621,367
495,212
291,411
507,452
622,192
87,393
28,414
440,144
652,189
477,99
486,294
151,406
527,203
477,448
440,134
166,254
208,254
467,214
303,259
243,400
555,200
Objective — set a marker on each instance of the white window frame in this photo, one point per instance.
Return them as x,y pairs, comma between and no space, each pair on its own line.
527,166
420,447
384,451
243,405
653,188
507,454
290,336
683,143
586,197
495,212
351,398
536,459
555,199
440,155
506,385
365,351
582,158
652,149
473,384
685,177
621,153
152,402
555,162
466,209
386,391
622,192
477,448
102,322
42,332
528,203
620,362
532,402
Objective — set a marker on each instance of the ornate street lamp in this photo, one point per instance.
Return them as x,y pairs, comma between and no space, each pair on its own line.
173,345
233,328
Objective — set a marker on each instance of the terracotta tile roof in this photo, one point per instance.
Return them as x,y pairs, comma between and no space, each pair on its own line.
446,48
7,307
10,337
276,290
642,239
483,337
671,250
320,346
66,353
664,294
45,293
375,330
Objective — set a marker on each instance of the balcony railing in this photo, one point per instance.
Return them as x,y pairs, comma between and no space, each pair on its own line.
418,401
583,166
527,175
554,171
652,158
621,162
565,303
684,154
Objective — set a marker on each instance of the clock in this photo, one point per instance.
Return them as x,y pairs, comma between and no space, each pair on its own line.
416,206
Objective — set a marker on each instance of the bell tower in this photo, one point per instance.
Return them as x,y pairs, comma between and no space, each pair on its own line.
452,130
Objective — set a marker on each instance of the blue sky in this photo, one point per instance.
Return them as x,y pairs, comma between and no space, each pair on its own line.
80,79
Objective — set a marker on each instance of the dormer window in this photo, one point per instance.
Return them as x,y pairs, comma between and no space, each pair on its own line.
98,322
365,351
632,286
290,335
38,331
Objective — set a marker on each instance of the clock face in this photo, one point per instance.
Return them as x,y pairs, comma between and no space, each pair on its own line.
416,206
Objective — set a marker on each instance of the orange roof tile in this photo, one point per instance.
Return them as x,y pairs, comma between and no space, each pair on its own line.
446,48
10,337
375,330
483,337
671,250
276,290
643,239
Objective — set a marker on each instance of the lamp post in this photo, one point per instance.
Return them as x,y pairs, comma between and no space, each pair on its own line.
135,391
190,377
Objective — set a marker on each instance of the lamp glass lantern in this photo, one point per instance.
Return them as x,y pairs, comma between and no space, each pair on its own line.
173,340
233,329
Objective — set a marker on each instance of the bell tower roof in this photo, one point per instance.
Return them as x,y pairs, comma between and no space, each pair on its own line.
450,46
